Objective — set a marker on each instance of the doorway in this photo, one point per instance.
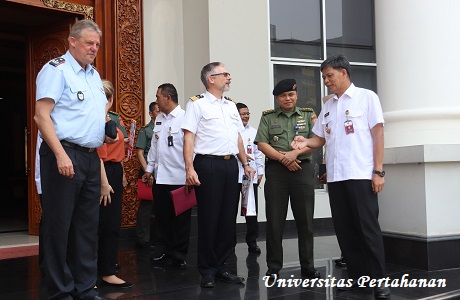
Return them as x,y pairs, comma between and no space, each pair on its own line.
18,101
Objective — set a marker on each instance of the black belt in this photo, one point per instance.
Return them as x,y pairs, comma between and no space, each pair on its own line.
77,147
225,157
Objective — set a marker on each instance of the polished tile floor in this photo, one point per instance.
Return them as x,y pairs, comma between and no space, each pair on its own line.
20,277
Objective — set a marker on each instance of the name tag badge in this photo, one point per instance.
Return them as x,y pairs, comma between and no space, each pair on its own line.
80,96
249,149
349,127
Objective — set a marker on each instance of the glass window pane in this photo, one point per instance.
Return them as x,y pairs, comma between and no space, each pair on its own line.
295,29
350,29
363,77
309,90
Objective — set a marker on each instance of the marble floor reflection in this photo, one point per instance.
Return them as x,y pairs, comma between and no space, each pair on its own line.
20,277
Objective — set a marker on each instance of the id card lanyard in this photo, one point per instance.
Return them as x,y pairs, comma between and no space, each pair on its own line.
348,124
170,138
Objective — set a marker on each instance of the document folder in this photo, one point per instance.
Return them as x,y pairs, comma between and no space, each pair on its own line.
183,200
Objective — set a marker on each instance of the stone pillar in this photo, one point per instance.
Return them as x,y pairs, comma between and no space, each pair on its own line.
418,71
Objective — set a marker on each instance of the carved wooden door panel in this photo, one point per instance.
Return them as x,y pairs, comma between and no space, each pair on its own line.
44,44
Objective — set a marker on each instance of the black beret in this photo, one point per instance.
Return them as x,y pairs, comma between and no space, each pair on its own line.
285,85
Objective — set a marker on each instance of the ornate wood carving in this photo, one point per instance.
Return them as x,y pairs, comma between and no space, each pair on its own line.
123,62
43,48
88,11
130,91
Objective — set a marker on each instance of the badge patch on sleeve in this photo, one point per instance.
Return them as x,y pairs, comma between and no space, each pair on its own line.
57,61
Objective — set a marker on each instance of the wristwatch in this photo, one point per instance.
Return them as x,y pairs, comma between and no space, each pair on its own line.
380,173
246,163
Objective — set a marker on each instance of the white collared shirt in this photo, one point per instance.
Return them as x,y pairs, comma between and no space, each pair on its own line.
215,123
167,161
349,156
258,163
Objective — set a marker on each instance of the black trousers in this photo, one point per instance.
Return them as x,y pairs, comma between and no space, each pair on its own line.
110,221
355,212
70,223
175,230
252,225
217,199
282,186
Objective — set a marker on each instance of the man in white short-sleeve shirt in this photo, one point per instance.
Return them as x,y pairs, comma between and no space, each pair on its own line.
351,126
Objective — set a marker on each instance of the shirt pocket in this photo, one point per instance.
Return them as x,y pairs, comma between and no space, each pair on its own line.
272,132
304,129
212,122
78,93
358,118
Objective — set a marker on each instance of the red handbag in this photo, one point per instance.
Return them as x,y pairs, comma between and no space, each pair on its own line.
144,192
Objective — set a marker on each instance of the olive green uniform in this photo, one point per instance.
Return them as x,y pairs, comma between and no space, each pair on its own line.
144,139
278,129
117,119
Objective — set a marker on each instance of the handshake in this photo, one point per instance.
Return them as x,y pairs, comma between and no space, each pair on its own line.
299,142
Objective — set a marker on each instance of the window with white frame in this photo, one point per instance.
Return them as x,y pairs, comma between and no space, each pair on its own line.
303,33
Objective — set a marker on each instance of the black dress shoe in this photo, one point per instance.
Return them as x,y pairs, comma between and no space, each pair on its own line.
229,277
310,272
381,292
272,272
254,249
161,257
125,285
142,244
179,263
207,281
340,262
100,298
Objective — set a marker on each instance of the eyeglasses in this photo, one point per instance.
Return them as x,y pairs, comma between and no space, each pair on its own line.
224,73
245,114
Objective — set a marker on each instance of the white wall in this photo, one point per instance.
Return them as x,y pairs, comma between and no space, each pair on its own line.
417,73
163,47
181,36
418,70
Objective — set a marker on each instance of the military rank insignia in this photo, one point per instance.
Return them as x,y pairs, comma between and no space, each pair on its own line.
194,98
230,99
57,61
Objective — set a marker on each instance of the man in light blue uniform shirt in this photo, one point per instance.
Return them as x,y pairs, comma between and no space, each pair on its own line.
70,114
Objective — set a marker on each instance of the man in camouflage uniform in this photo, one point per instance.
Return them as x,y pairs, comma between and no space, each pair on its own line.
289,175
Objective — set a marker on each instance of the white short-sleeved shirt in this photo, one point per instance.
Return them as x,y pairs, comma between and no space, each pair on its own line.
215,123
258,163
349,156
79,100
167,161
38,181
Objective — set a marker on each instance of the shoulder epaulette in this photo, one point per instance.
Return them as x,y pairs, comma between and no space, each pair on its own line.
307,109
268,111
57,61
113,113
230,99
194,98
